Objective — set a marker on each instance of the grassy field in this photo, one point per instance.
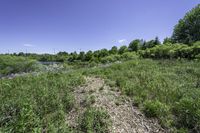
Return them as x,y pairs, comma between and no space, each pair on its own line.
166,89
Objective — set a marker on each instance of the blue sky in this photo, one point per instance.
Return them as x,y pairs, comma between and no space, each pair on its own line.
43,26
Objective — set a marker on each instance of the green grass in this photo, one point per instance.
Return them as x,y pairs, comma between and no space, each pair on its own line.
94,121
37,103
166,89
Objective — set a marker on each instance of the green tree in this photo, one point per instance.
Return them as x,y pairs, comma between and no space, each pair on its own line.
123,49
103,52
73,56
144,45
113,50
81,56
188,29
134,45
167,40
152,43
88,55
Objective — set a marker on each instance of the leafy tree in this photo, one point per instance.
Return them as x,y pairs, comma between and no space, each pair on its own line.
134,45
144,45
103,52
81,56
88,55
152,43
113,50
167,40
62,53
21,54
73,56
123,49
188,29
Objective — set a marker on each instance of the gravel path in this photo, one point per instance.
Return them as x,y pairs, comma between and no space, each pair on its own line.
125,117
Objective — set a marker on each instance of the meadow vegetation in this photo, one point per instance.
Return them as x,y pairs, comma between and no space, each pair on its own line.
94,121
37,103
165,89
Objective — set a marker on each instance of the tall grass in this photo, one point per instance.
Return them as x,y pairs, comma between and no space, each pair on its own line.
166,89
37,103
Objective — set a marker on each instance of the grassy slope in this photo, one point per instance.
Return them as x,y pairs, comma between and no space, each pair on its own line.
168,90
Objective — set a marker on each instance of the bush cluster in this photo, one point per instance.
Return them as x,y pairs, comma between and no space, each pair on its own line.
170,51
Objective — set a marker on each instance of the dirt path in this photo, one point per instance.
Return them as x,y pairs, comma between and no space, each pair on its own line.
125,117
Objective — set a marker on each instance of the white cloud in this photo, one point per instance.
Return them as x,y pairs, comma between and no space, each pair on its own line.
122,41
28,45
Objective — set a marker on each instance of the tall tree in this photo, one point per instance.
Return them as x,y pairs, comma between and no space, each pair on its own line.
188,29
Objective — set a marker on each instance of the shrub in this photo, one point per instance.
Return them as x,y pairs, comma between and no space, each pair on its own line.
129,56
13,64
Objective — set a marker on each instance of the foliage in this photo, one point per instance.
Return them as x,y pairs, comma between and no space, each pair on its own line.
155,109
188,29
13,64
158,87
115,58
134,45
123,49
37,103
187,111
113,50
169,51
167,40
94,121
